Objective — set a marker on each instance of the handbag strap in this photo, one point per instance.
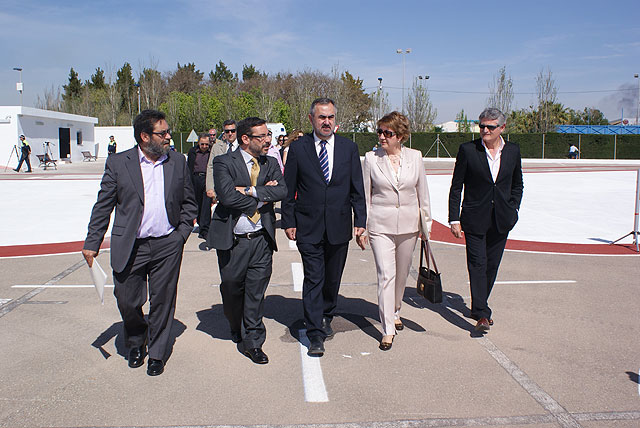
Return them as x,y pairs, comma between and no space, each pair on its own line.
429,256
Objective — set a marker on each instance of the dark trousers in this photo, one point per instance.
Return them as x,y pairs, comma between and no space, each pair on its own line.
484,252
203,202
245,271
24,158
154,265
323,265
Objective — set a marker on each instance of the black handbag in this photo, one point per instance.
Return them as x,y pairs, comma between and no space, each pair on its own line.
429,282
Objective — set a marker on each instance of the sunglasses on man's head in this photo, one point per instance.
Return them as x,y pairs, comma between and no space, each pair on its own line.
491,127
386,133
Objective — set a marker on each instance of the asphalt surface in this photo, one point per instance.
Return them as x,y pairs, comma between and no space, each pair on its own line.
564,350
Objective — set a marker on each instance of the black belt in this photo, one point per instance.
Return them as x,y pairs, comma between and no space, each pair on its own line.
251,235
201,174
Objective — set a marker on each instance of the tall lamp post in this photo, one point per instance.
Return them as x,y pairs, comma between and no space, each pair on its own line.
19,85
379,98
404,53
137,85
638,110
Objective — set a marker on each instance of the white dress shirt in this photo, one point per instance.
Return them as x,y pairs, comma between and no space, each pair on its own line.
155,222
244,225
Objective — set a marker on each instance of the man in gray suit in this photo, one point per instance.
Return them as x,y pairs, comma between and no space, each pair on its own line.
247,183
151,190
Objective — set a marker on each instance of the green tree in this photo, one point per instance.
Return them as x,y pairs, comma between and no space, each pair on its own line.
463,122
97,80
249,72
185,79
221,74
127,90
72,90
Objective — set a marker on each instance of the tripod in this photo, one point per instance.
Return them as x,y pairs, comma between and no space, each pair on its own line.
634,232
48,156
438,143
13,150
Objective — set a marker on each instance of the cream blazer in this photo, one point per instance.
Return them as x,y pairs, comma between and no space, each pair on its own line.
396,207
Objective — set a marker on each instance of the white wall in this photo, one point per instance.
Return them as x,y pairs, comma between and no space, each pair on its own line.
122,134
39,126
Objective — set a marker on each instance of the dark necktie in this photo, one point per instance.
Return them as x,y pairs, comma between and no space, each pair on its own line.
324,160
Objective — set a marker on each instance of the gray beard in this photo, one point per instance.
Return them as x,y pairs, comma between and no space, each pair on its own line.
155,150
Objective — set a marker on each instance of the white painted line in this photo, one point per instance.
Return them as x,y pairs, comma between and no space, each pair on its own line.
298,276
3,301
314,389
559,281
60,286
293,245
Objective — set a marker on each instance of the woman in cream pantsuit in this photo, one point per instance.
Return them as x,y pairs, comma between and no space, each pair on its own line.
398,211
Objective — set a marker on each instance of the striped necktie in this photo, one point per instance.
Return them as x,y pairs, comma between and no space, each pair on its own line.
324,160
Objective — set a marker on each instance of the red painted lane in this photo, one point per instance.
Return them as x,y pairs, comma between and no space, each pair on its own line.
442,233
45,249
439,233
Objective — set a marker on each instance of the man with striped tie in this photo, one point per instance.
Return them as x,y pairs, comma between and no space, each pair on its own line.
325,199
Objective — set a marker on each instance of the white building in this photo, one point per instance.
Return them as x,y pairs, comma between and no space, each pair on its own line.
68,134
122,134
452,126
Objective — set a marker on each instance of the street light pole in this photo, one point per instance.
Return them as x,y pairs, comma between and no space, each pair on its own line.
138,86
379,98
403,52
19,86
638,110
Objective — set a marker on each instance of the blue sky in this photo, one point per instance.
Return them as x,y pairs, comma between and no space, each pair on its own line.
588,45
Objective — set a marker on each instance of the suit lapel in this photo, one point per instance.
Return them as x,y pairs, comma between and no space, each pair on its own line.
385,168
132,163
262,161
505,160
241,166
167,171
482,158
310,148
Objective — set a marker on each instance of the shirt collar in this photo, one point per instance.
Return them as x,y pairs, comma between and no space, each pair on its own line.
316,139
499,148
143,159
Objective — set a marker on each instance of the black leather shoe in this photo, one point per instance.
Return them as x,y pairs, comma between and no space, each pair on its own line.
155,367
326,327
257,356
236,337
136,356
316,346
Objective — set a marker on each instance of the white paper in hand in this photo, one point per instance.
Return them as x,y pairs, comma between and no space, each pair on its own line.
99,279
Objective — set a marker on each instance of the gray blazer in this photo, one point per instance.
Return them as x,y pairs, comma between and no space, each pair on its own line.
122,188
219,148
230,171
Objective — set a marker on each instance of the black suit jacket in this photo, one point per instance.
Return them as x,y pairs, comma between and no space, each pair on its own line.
481,194
229,171
314,207
122,187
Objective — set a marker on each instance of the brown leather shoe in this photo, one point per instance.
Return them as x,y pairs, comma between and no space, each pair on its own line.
483,325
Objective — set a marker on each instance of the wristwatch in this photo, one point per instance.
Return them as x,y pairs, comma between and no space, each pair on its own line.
247,191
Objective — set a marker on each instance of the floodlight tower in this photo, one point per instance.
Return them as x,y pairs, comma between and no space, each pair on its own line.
19,86
404,54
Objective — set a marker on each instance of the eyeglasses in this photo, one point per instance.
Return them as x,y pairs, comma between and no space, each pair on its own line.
230,131
258,137
213,135
386,133
162,133
491,127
